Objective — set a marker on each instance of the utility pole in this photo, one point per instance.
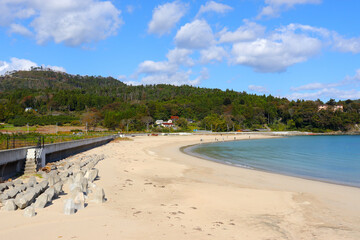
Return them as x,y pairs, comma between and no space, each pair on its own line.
56,128
27,128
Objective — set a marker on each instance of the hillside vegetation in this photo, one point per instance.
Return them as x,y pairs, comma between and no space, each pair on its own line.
54,97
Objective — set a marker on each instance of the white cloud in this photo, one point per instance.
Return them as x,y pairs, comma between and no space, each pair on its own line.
132,83
20,29
165,17
344,89
310,86
342,44
54,68
180,56
249,31
327,93
171,71
214,53
122,77
259,89
277,52
72,22
23,64
212,6
195,35
150,67
177,78
130,9
274,7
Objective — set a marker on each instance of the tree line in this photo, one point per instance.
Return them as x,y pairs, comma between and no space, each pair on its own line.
51,97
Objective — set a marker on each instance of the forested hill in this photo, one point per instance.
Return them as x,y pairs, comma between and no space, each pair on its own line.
56,80
46,97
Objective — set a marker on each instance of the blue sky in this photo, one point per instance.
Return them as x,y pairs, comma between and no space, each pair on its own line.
304,49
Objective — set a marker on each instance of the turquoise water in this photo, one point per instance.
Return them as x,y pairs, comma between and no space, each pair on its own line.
333,159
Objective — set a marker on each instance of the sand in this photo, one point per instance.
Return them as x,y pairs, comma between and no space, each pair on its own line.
155,191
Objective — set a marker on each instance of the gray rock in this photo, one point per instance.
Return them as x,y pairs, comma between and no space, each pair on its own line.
69,207
41,201
29,212
9,205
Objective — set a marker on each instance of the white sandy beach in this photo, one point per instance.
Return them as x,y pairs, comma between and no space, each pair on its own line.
155,191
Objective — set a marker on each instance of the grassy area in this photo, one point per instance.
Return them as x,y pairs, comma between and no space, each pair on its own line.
32,139
12,128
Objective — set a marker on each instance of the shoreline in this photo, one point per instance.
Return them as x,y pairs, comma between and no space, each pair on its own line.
156,192
203,157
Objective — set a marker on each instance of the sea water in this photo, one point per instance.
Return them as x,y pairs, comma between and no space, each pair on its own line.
333,159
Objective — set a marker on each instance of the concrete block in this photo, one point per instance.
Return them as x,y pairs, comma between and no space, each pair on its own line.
79,201
29,212
12,192
41,201
98,195
58,188
21,201
78,176
32,181
53,179
3,197
44,185
69,207
3,187
18,182
50,192
92,174
9,205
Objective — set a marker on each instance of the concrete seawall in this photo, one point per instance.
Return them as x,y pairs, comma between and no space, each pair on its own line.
12,161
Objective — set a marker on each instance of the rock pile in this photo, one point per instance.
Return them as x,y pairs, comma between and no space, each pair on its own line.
78,176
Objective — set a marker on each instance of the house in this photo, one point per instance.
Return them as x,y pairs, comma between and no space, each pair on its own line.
322,107
334,108
174,118
159,122
28,109
169,123
190,120
338,108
